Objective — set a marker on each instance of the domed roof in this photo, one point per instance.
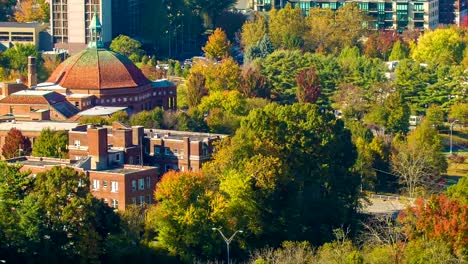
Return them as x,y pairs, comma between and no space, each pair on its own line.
98,69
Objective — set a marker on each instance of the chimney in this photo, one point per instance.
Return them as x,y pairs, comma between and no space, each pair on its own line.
32,74
137,135
97,147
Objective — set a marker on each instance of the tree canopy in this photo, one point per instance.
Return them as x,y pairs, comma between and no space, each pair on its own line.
51,143
16,144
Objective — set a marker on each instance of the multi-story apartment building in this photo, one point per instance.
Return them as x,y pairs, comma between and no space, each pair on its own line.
389,14
70,21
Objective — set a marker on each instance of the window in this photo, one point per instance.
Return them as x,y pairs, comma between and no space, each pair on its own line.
115,203
142,199
175,151
141,184
114,186
77,104
104,185
77,143
167,151
157,151
133,185
148,199
148,183
117,157
105,201
95,184
134,201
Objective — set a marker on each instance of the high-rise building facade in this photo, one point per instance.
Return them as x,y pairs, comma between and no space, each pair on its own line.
453,11
70,20
390,14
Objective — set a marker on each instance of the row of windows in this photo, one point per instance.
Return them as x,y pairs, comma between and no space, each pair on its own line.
141,184
177,152
141,200
131,99
114,203
97,185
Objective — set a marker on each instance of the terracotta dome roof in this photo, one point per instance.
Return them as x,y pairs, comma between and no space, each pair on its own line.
98,69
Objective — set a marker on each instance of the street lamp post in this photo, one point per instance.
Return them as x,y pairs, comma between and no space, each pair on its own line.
227,240
451,129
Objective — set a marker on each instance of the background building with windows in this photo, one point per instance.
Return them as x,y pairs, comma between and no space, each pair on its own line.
70,21
395,14
24,33
398,15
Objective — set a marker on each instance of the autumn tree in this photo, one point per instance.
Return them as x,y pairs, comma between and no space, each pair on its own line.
308,86
287,27
459,111
16,144
441,218
330,31
253,83
441,46
253,31
32,11
195,88
187,208
418,161
217,46
254,159
221,76
51,143
435,116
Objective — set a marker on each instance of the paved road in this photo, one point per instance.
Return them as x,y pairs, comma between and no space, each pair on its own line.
380,204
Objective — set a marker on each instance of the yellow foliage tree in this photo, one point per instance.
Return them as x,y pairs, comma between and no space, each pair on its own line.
287,26
253,31
217,46
32,10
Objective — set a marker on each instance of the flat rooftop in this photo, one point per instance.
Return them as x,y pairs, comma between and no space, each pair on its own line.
179,135
21,25
101,111
43,162
37,125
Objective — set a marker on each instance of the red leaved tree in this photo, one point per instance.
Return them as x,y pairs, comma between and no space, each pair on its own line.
308,86
385,42
14,141
438,218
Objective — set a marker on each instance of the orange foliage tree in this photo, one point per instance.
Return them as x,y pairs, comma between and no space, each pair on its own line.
438,218
32,10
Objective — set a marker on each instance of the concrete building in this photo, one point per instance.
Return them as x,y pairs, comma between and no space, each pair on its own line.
24,33
389,14
70,21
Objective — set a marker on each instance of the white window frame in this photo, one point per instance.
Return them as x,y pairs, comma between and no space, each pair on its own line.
96,184
114,186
